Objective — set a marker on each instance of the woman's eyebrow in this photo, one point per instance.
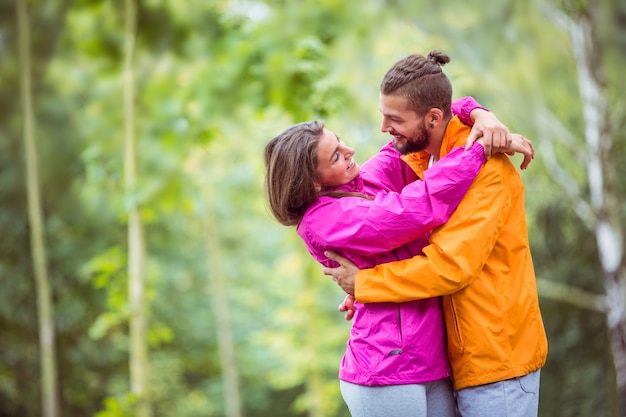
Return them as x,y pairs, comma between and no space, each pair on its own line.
332,155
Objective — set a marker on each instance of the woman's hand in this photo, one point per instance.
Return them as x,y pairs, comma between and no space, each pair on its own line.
496,138
493,134
521,145
347,307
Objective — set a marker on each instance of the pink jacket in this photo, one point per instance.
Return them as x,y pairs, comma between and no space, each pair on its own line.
391,343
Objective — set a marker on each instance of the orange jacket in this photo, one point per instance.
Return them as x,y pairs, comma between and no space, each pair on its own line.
480,262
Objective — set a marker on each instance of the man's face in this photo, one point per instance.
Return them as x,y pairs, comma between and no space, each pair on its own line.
407,128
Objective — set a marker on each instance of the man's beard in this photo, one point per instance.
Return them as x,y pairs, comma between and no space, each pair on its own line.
417,142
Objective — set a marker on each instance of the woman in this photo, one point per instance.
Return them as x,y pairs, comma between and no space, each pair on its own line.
374,214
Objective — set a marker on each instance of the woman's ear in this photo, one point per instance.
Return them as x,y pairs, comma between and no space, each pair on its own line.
318,187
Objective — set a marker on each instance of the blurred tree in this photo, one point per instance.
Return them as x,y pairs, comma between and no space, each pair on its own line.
219,298
136,241
583,24
49,400
218,79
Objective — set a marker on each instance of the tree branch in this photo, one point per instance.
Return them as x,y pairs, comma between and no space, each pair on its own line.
572,295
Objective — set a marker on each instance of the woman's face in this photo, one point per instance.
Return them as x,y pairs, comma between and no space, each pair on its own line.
335,165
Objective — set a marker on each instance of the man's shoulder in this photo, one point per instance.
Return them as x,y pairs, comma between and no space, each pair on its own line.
456,133
418,161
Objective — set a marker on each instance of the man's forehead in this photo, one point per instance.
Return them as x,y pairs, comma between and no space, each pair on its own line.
390,105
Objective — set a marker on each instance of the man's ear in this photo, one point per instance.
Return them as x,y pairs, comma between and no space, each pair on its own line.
434,116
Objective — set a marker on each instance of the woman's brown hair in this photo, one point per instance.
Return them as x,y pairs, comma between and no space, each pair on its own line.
291,172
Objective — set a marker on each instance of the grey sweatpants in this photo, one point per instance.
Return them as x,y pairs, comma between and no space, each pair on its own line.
433,399
517,397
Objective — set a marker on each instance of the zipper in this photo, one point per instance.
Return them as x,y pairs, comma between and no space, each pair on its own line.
456,325
400,326
398,351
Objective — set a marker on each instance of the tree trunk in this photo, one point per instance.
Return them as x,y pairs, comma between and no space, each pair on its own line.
49,399
603,189
314,377
221,310
136,242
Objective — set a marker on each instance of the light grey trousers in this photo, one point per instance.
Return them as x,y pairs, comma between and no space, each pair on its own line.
517,397
433,399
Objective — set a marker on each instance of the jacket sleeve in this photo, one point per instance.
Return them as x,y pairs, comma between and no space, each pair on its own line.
463,107
458,249
367,227
387,171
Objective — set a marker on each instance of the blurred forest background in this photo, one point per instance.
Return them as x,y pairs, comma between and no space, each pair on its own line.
141,272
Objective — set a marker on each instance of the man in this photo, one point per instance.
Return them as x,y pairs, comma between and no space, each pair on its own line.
496,340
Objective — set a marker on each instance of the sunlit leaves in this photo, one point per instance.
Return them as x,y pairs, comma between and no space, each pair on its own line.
216,80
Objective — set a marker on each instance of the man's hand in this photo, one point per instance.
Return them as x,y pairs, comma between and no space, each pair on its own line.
347,307
496,136
344,275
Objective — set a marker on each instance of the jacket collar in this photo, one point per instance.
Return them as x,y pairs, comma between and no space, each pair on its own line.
418,161
356,185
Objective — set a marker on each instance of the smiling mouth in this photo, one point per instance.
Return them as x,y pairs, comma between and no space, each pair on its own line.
350,165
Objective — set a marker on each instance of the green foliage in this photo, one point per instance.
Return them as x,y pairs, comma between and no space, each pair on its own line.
118,407
217,80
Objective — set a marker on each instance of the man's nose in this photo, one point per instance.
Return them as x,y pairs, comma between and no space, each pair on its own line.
384,126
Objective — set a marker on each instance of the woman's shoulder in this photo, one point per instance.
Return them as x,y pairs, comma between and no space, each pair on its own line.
386,171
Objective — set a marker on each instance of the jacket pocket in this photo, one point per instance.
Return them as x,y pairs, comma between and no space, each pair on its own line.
400,334
457,330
